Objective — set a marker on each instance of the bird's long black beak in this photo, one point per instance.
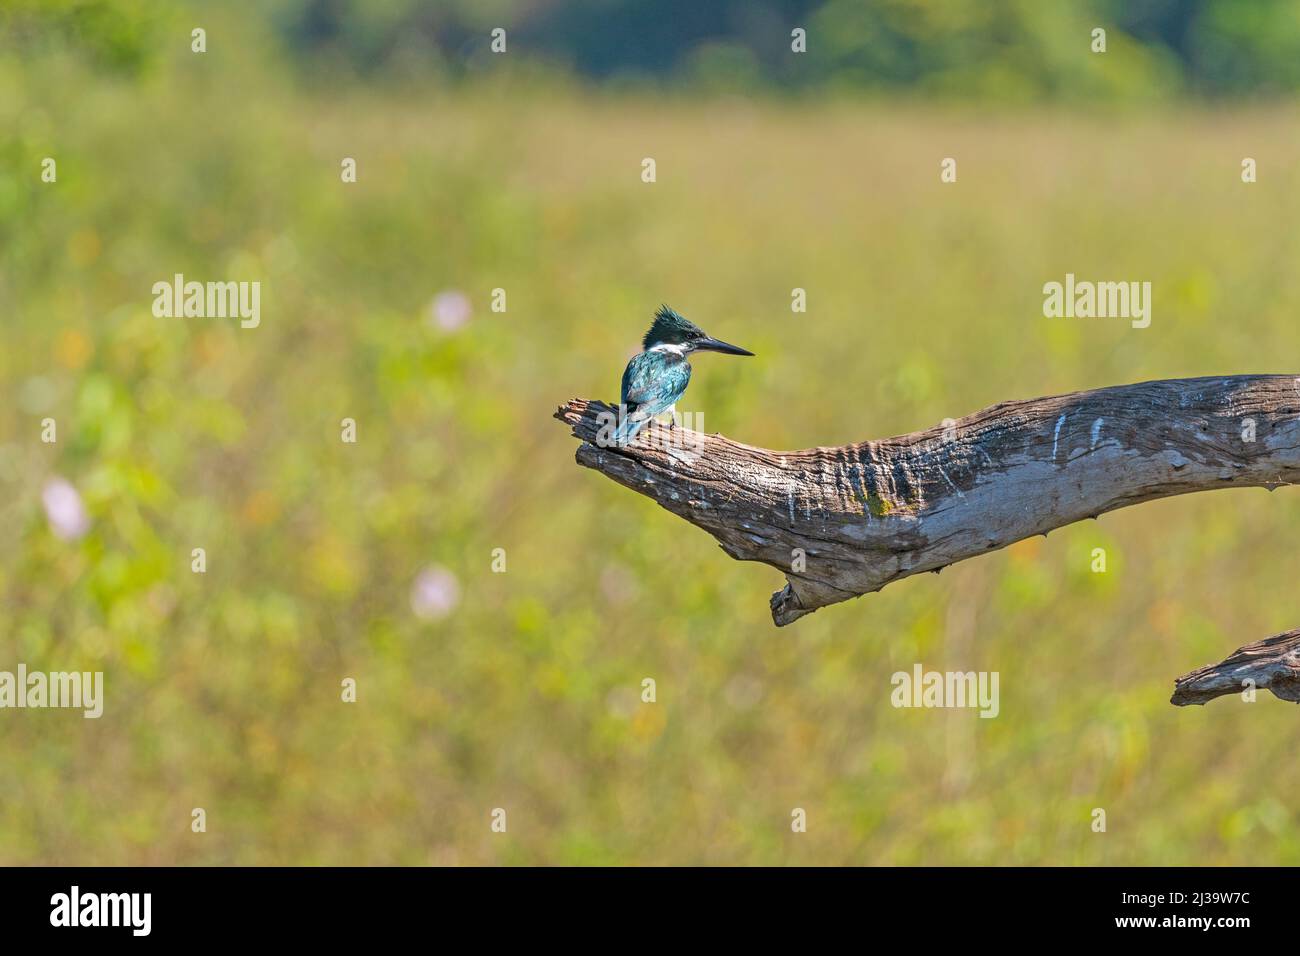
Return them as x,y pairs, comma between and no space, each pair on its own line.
714,345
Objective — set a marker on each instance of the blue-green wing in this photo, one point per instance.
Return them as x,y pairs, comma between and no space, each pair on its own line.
678,377
652,383
637,377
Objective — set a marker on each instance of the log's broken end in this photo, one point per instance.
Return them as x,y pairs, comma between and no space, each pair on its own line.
583,416
786,607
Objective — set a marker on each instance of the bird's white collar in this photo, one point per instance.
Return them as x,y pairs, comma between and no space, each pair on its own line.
669,349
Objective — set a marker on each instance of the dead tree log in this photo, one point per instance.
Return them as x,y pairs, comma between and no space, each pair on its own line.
845,521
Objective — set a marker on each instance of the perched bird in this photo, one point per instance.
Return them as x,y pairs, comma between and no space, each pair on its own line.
656,377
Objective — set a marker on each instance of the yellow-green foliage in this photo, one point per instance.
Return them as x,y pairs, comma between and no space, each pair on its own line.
924,302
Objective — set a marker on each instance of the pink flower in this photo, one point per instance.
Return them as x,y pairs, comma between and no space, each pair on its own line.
450,310
68,518
435,593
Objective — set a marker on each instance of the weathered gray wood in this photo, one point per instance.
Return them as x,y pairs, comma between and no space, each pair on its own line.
1273,664
865,515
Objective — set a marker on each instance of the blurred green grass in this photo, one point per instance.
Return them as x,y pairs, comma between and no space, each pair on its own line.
924,303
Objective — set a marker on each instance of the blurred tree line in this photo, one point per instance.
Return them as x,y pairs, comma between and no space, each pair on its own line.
1027,50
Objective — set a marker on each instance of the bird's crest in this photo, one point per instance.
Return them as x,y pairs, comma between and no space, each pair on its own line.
670,328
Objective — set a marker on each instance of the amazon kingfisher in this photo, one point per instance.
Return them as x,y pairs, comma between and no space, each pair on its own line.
657,376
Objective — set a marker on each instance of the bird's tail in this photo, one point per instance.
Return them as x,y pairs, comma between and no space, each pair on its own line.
627,429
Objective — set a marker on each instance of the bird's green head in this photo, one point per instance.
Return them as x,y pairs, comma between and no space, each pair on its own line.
673,328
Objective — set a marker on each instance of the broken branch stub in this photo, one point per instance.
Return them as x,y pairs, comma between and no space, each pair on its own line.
1271,664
